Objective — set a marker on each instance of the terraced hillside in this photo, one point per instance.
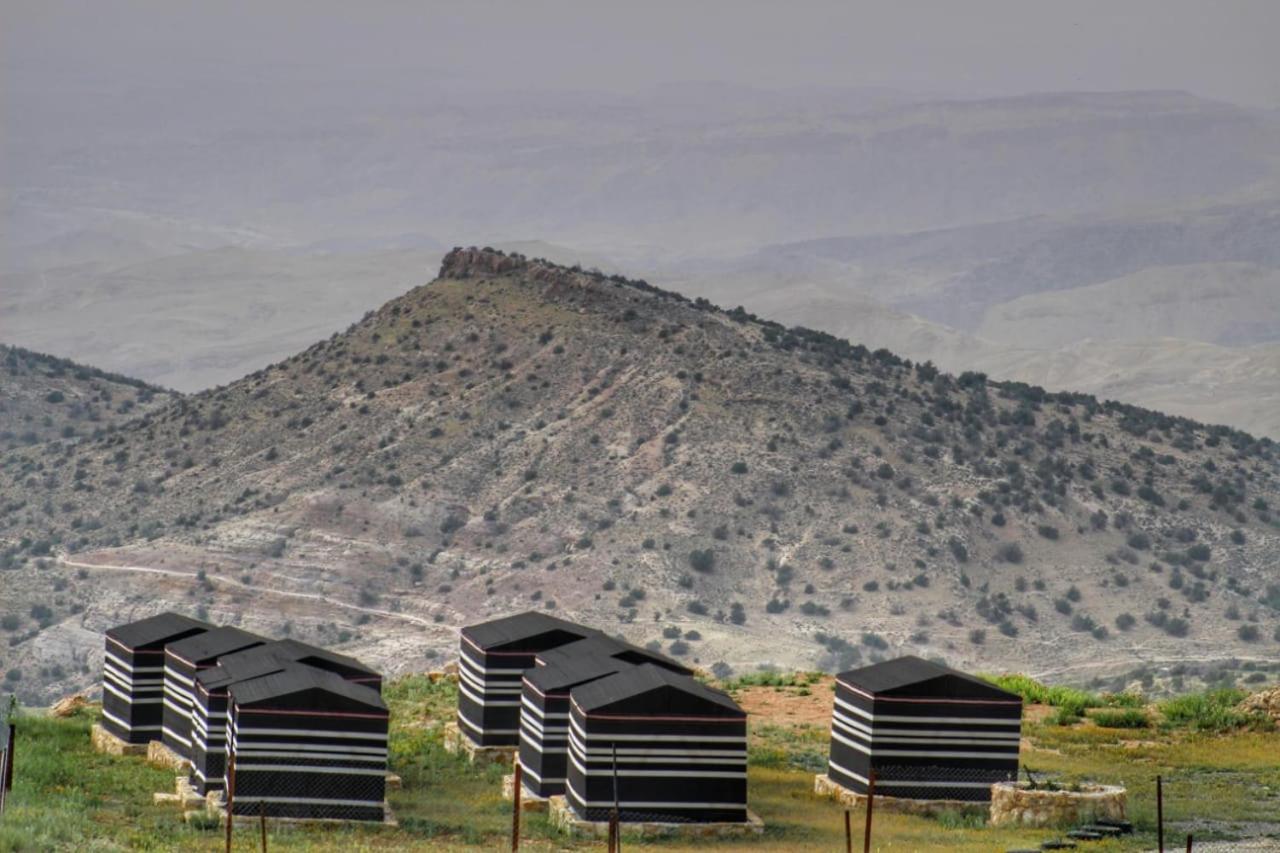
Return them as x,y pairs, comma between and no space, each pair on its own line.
522,435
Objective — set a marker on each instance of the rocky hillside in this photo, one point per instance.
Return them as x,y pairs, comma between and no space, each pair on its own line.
522,435
43,398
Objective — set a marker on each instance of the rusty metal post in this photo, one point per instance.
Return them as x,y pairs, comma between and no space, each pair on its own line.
1160,813
516,785
231,793
871,798
1188,842
848,833
262,822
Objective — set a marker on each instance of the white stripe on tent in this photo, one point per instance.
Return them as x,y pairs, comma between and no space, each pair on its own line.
128,667
926,720
978,738
119,722
259,732
922,753
463,719
465,689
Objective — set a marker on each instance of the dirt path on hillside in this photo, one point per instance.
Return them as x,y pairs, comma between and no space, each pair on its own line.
256,590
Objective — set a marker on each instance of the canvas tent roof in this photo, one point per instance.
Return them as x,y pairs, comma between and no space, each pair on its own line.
214,643
650,689
606,646
155,629
558,676
913,676
297,679
524,632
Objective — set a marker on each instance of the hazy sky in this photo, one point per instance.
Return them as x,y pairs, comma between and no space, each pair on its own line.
1222,49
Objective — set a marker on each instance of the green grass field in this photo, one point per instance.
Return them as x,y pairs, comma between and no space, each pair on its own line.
66,797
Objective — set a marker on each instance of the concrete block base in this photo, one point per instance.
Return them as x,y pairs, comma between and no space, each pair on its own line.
825,786
106,743
564,819
459,744
183,796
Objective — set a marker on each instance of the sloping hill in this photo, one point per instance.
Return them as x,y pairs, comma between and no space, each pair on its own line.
43,397
518,434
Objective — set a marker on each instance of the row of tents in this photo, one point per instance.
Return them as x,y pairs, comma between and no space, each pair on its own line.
307,727
609,725
603,723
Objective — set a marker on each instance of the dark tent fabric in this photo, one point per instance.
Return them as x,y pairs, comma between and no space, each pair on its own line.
209,711
308,744
182,660
493,658
133,674
666,746
544,718
926,730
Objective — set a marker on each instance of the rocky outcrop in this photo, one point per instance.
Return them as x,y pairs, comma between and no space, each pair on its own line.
1014,804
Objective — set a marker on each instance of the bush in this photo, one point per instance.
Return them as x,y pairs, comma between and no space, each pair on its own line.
702,560
1125,621
1209,711
1123,718
1010,552
1048,531
1249,633
738,468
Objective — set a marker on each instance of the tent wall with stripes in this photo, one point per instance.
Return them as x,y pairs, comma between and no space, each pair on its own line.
308,744
928,731
182,660
662,746
209,710
133,674
492,662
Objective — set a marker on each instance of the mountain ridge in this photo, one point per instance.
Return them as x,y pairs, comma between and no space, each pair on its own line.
519,434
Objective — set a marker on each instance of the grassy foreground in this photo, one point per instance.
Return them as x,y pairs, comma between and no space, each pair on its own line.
67,797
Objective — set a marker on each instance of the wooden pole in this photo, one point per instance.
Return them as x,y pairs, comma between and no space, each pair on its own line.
8,761
262,822
848,833
871,798
1160,813
1188,842
617,817
516,785
231,793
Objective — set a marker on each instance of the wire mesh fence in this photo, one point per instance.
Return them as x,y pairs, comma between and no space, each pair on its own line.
931,783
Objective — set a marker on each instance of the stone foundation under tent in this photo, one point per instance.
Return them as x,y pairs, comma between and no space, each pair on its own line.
161,756
566,821
108,744
459,744
823,786
1018,805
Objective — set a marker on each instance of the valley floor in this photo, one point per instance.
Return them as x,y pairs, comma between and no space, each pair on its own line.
1219,786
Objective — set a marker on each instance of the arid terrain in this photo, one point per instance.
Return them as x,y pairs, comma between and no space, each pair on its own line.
519,435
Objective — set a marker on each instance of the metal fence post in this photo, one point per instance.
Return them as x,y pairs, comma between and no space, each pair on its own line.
516,785
1188,842
231,793
262,822
1160,813
848,833
617,817
871,798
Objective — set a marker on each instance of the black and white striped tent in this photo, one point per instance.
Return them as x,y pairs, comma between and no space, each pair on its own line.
133,674
493,659
308,744
182,660
544,718
929,732
209,711
608,647
680,749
